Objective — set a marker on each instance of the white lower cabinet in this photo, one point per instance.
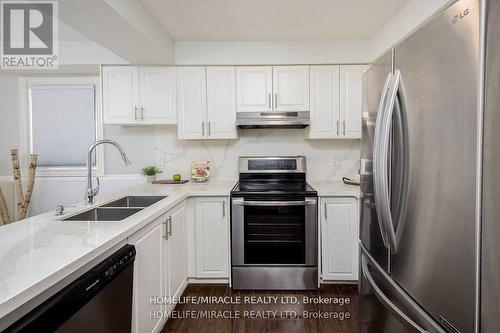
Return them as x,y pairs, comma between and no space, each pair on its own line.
149,277
212,237
159,268
339,238
176,251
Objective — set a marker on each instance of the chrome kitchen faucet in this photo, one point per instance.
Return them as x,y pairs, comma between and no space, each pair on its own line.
91,192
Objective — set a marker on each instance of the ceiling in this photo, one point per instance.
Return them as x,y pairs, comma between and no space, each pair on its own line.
247,20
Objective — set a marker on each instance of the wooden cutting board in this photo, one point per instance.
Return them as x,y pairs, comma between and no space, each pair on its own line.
170,181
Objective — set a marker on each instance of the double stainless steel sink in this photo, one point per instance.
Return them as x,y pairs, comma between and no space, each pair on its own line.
116,210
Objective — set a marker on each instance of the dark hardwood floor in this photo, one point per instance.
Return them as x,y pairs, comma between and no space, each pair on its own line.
279,314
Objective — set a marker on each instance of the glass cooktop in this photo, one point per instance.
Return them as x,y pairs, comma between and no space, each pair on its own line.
269,187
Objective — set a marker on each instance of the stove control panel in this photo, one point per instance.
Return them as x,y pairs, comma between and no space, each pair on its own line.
265,164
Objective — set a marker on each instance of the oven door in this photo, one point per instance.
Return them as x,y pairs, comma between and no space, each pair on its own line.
274,232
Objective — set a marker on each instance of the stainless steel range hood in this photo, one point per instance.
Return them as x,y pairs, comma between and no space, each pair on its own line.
272,119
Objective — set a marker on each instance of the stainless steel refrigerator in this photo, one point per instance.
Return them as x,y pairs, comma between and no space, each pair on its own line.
421,180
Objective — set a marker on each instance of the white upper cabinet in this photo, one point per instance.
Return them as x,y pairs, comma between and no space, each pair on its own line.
325,105
336,98
351,85
267,88
139,95
158,95
191,103
291,88
120,85
221,103
254,88
206,107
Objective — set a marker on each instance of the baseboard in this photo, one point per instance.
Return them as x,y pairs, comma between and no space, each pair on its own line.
338,282
208,280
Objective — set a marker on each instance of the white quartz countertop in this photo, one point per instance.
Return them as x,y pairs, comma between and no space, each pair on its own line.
335,189
38,252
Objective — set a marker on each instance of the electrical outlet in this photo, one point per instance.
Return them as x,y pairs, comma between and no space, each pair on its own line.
334,164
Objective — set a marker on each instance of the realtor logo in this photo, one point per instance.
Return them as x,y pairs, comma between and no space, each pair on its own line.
29,34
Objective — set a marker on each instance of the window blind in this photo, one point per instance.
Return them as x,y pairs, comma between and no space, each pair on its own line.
63,123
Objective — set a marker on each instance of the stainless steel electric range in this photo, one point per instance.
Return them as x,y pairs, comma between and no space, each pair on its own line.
274,225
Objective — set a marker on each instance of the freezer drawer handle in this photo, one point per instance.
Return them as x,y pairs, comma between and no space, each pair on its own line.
387,302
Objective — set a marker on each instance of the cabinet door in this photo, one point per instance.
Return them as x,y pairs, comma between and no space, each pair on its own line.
158,95
149,278
351,84
291,88
221,102
325,103
177,250
120,93
254,88
211,224
191,102
339,230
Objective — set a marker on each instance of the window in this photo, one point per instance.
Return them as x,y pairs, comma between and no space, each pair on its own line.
63,121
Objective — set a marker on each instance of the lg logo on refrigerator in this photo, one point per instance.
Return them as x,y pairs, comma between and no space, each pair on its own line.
29,34
460,16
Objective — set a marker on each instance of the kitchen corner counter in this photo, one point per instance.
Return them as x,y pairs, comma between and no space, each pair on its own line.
335,189
38,252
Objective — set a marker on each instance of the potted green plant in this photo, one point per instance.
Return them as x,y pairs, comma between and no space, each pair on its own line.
150,172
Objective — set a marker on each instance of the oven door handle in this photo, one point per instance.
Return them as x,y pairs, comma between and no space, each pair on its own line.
307,202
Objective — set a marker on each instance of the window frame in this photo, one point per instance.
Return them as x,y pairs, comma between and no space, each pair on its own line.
26,140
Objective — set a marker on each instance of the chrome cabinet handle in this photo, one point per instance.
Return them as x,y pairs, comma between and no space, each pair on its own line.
135,112
338,124
209,131
203,128
241,202
224,208
165,223
269,99
142,113
169,230
275,101
344,126
326,216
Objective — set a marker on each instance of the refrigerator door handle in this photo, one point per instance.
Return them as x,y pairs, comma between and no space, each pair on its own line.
393,308
382,177
404,156
376,157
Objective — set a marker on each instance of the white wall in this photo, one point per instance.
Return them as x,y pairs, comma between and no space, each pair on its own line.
77,49
263,52
9,123
124,27
413,15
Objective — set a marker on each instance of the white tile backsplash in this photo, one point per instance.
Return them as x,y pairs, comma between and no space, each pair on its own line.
326,159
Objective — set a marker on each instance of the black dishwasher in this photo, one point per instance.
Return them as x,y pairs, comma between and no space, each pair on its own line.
100,301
